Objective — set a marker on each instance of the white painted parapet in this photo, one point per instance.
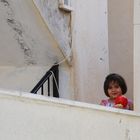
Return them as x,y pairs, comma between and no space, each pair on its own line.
33,117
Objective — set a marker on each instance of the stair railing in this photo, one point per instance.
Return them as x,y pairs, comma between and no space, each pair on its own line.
51,74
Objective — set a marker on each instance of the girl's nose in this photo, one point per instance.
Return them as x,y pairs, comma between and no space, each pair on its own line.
113,89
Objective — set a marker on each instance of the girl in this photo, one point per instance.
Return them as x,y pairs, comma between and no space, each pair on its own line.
115,86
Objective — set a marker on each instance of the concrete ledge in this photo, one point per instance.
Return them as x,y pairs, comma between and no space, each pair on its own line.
34,117
64,102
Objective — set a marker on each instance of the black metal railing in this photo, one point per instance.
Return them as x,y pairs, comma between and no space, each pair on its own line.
51,81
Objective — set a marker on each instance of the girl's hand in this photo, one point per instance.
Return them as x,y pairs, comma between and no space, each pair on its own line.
118,106
121,100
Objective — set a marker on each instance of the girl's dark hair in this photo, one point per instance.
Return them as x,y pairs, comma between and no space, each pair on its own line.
117,79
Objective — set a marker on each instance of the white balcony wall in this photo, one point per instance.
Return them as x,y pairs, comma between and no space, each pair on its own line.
26,116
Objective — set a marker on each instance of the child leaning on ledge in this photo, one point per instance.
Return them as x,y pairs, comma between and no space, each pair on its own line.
115,87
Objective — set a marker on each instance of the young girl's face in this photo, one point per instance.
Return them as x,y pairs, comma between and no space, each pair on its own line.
114,90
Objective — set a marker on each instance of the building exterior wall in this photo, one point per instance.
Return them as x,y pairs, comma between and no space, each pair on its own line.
59,26
40,34
58,22
30,45
24,36
136,54
24,57
120,40
32,41
90,49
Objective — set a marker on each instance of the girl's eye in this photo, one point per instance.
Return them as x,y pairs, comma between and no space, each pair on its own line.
114,86
109,87
117,86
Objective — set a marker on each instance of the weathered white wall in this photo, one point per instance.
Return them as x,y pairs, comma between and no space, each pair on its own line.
137,54
59,25
36,34
25,116
28,50
90,49
22,78
120,40
39,34
30,44
58,22
25,39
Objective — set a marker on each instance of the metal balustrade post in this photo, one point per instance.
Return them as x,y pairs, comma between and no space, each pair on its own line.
56,81
54,72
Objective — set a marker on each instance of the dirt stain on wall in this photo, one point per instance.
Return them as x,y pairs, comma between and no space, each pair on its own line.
18,29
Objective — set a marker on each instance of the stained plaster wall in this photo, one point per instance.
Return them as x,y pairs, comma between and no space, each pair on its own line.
28,48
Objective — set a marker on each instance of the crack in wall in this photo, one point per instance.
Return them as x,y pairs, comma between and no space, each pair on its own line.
15,26
127,134
6,3
19,33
